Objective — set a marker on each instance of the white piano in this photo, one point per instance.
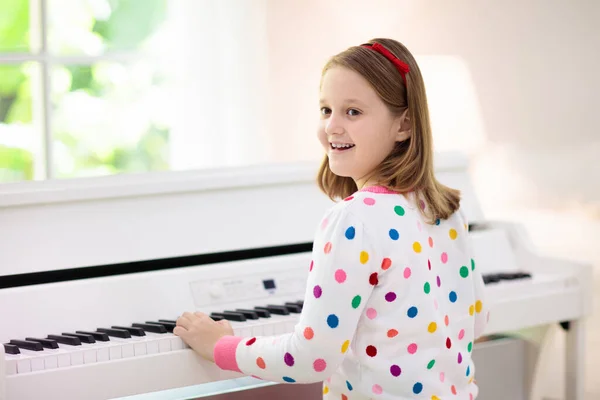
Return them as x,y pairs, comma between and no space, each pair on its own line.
94,272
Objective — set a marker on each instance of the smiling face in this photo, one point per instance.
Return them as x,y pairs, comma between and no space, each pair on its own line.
357,129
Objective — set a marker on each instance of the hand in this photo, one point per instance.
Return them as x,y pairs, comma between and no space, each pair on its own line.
201,332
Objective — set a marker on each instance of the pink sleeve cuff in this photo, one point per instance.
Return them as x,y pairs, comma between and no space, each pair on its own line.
224,353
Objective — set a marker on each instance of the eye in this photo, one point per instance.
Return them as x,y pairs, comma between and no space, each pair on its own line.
325,111
353,112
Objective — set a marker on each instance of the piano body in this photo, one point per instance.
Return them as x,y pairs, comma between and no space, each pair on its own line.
93,272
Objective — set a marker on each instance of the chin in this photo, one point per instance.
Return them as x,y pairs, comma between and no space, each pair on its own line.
340,170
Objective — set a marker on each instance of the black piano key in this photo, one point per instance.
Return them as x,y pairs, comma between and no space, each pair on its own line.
120,333
301,302
279,310
70,340
47,343
260,313
154,328
216,317
99,336
11,349
297,303
249,314
131,329
27,345
230,316
293,308
168,320
84,337
169,326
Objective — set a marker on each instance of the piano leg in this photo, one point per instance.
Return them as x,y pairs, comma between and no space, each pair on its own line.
575,360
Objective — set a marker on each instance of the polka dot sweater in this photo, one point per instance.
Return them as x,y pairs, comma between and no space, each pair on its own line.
391,310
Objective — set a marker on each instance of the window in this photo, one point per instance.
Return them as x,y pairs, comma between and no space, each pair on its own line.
100,87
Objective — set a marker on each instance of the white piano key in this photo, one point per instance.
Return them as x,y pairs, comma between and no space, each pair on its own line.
36,359
11,363
23,365
140,349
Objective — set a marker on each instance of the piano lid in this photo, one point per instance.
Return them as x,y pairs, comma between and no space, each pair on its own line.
64,224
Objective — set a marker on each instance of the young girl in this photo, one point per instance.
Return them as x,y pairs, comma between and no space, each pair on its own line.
394,299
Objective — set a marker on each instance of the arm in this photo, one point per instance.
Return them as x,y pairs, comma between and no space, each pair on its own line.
338,287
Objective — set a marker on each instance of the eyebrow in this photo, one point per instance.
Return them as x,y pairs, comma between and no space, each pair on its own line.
346,101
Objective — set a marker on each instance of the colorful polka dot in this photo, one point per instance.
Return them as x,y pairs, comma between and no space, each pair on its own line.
250,341
435,303
470,347
419,227
325,389
373,280
356,301
317,291
312,263
446,320
478,306
399,210
261,363
395,370
371,351
444,258
328,247
427,288
437,221
345,346
364,257
350,233
412,312
461,334
344,397
348,198
371,313
432,327
333,321
438,281
435,398
472,265
392,333
452,233
464,271
417,388
348,385
309,333
430,241
468,371
448,343
431,364
369,201
319,365
377,389
453,389
422,204
429,264
459,358
394,235
471,310
288,379
412,348
452,297
386,263
417,247
288,359
390,296
442,377
340,276
407,272
324,223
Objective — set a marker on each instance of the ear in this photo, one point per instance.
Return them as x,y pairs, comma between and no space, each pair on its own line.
403,126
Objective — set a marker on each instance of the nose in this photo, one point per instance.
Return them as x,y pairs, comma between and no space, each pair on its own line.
334,125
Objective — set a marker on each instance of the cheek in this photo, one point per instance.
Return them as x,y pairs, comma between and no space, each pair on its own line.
321,135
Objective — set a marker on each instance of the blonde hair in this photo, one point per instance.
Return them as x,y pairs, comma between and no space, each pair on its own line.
409,167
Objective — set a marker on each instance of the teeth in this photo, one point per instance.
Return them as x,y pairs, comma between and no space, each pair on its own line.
341,146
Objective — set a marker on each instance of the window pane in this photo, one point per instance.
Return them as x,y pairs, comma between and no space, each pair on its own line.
97,27
14,26
108,118
20,134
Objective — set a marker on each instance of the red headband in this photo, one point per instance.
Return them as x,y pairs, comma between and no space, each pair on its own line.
400,65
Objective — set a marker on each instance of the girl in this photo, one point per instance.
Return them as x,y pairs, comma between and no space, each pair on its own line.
394,299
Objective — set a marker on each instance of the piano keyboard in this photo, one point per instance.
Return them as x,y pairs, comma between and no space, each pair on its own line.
116,342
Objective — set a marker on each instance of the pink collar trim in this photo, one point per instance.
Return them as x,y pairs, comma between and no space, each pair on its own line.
378,189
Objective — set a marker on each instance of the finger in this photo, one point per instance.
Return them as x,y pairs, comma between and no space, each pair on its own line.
200,314
184,322
179,331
